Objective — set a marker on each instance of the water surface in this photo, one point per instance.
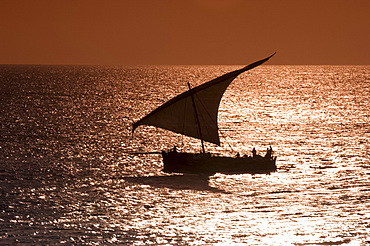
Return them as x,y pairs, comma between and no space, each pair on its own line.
67,175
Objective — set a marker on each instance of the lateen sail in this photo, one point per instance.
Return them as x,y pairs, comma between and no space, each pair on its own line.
178,114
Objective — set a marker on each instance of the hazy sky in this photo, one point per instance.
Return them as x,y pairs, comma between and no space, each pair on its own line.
184,31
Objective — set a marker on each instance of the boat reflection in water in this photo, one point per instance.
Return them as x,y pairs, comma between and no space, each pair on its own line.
194,113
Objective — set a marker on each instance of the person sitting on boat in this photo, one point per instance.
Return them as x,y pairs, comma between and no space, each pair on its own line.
174,149
269,152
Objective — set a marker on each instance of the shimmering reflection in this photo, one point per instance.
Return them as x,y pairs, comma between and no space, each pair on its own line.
68,176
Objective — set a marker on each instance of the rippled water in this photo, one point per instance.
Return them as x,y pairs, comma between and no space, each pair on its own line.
68,175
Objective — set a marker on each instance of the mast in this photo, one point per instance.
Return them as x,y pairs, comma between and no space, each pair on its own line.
197,118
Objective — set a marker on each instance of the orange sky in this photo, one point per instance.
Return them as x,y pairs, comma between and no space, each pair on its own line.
184,31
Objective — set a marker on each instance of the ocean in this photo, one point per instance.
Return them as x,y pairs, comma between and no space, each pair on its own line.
72,171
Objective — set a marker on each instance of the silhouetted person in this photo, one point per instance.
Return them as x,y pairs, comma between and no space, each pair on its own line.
267,153
254,153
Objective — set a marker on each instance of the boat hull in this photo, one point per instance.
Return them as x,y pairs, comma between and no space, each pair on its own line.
175,162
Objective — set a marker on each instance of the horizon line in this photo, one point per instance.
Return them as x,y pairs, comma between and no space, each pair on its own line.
131,65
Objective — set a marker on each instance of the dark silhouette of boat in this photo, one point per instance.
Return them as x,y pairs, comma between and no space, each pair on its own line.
194,113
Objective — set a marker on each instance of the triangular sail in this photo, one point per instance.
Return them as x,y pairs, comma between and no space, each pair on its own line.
178,114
